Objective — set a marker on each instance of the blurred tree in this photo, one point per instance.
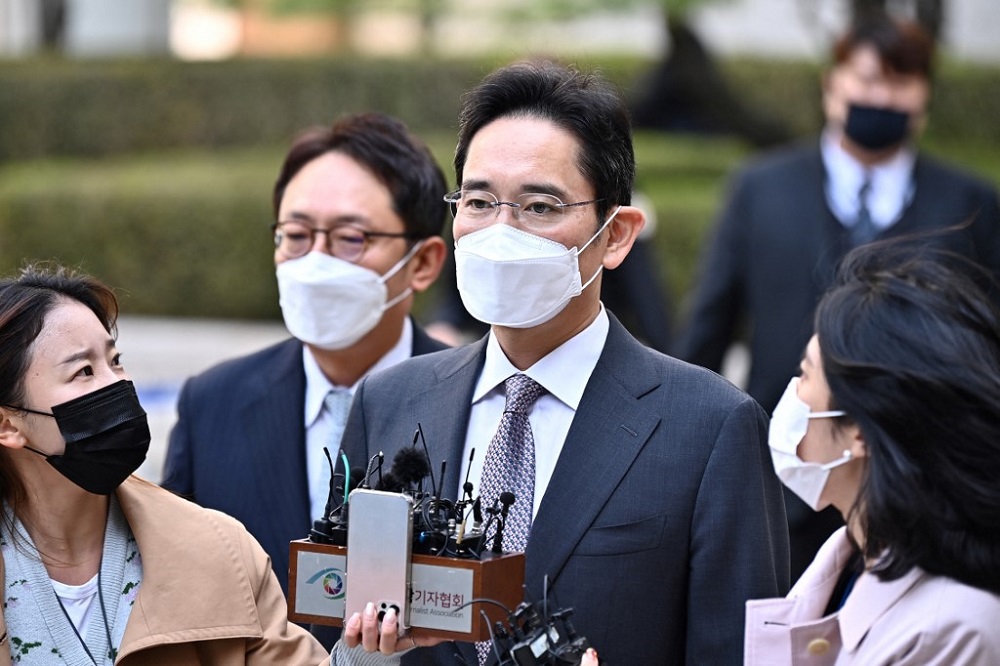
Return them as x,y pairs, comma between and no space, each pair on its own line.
929,13
52,14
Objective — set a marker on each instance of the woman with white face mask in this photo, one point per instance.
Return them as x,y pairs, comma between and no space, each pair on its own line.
893,421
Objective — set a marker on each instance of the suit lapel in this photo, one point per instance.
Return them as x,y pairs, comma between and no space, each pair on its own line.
275,437
819,227
609,430
444,418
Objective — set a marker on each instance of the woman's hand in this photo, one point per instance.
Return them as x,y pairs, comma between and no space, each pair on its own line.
363,629
589,658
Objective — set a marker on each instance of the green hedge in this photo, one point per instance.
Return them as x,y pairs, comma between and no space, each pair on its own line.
178,235
101,108
186,233
183,230
92,108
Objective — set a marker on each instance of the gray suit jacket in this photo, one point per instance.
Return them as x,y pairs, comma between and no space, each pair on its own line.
662,517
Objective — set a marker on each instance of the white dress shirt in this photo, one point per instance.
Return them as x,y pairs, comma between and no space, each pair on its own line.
319,422
564,373
891,184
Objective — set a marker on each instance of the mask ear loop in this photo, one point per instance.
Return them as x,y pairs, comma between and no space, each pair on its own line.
395,269
592,239
842,460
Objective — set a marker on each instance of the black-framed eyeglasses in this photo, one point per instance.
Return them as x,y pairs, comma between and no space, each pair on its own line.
295,239
534,209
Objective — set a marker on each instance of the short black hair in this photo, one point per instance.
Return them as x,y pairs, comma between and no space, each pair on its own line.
910,347
584,104
904,47
398,159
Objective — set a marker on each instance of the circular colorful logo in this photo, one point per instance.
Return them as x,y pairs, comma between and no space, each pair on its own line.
333,582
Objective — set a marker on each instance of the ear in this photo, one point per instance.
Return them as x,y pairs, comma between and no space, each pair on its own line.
824,81
827,100
622,232
10,434
426,264
858,447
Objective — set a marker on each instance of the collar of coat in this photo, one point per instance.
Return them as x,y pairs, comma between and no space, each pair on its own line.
869,600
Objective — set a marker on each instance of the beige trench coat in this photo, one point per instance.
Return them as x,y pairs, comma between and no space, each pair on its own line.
208,595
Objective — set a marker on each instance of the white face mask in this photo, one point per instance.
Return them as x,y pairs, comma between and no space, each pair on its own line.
789,423
508,277
332,303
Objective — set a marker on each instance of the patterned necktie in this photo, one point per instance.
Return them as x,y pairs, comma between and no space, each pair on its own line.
338,404
510,467
864,230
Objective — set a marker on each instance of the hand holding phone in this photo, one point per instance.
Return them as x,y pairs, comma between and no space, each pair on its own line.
379,544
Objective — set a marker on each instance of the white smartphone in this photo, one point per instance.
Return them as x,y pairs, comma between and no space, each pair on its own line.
379,544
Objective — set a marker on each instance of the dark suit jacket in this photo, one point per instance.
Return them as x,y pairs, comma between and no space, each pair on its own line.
663,514
775,251
239,444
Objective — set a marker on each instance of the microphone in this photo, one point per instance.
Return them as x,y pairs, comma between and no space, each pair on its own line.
506,499
437,495
420,433
467,486
329,528
466,500
329,498
477,514
369,471
409,467
356,479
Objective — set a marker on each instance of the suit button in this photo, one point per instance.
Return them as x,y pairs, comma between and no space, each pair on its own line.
818,646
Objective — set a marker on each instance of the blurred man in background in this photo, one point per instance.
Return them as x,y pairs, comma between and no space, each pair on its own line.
791,215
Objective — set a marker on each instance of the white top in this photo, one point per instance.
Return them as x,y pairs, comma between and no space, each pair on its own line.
78,600
319,422
891,184
564,373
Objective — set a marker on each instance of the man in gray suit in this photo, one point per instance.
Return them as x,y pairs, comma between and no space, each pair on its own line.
654,510
358,226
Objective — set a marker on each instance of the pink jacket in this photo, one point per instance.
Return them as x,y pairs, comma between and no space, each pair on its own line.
918,619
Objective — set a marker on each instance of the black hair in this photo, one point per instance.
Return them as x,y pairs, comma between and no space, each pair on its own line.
910,347
398,159
904,47
583,104
25,301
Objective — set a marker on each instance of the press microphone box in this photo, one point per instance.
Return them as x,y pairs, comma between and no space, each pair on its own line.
438,586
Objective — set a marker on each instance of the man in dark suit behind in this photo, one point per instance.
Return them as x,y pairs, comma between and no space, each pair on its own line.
653,507
791,215
359,220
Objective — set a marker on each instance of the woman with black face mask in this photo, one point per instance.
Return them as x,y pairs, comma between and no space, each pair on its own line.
100,567
894,420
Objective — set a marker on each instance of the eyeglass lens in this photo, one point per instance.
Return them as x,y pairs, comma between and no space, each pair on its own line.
296,240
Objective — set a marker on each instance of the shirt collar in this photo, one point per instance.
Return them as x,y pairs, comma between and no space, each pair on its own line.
564,372
891,181
317,385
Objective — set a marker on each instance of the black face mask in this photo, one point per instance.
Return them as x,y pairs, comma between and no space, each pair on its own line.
876,128
106,435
